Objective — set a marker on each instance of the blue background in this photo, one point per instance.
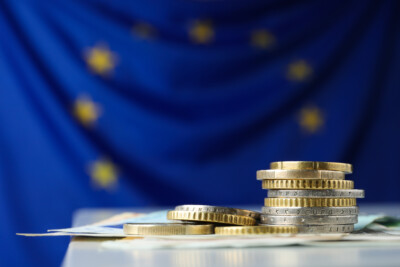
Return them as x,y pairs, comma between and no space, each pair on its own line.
189,104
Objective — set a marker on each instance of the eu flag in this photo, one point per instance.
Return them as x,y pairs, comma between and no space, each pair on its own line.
155,103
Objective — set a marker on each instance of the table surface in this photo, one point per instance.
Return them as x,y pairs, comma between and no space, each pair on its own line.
88,251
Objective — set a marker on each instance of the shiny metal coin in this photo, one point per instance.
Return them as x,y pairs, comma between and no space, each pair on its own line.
312,165
301,211
168,229
216,209
340,193
299,174
308,220
325,229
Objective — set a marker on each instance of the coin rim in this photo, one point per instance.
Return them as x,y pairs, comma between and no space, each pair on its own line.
314,211
317,193
299,175
308,219
310,202
167,229
309,184
212,217
255,230
312,165
218,209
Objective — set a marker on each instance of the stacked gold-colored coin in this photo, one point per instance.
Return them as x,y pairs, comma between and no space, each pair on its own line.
313,196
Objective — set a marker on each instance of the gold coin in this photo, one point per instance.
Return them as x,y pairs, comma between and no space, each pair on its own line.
309,202
299,174
168,229
255,230
212,217
307,184
312,165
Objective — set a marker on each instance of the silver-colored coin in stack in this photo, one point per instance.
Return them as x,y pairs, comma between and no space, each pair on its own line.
313,196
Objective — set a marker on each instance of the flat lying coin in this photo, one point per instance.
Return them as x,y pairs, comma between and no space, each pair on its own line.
312,165
300,211
299,174
255,230
309,202
168,229
307,184
348,193
308,220
212,217
325,229
216,209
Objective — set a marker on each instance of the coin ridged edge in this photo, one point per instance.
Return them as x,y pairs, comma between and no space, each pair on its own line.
255,230
307,184
218,209
309,202
210,217
312,165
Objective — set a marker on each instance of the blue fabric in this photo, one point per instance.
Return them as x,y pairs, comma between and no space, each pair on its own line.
187,120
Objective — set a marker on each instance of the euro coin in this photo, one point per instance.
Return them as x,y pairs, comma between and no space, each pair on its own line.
217,209
168,229
299,174
325,229
310,202
211,217
308,220
312,165
331,193
255,230
306,211
307,184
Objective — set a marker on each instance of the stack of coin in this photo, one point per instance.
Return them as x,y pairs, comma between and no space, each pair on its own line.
313,196
228,221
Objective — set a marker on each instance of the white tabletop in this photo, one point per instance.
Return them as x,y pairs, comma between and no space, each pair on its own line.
88,251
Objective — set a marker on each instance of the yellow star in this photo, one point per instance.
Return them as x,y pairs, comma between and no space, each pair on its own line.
144,31
201,32
100,59
299,70
311,119
103,173
262,39
86,111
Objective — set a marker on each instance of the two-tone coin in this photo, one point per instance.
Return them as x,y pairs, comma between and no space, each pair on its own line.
307,211
339,193
308,220
168,229
299,174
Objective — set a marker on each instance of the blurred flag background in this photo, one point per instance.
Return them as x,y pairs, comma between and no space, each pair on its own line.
156,103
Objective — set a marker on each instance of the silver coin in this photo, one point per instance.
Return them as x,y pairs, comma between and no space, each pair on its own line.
301,211
308,220
216,209
325,229
299,174
341,193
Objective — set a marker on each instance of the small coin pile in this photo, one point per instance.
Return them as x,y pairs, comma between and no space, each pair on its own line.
303,197
312,196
